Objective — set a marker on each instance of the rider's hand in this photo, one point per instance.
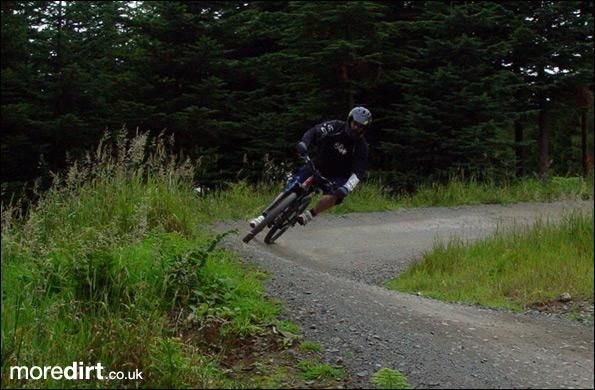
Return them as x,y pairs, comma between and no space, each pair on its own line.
302,149
341,192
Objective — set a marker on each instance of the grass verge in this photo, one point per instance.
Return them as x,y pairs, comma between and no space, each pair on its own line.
240,200
314,370
387,378
516,268
459,192
115,264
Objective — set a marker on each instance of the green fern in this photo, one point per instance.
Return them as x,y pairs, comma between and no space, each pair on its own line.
387,378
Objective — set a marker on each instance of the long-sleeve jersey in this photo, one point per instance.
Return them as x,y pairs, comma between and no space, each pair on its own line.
337,153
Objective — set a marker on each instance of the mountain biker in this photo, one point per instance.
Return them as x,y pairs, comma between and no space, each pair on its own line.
342,155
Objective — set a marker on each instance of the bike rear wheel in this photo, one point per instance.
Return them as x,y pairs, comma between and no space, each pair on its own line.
275,232
286,221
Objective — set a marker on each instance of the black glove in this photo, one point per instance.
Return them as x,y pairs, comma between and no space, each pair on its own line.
341,192
302,149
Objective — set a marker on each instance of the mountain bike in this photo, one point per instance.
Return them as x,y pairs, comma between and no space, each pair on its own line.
283,212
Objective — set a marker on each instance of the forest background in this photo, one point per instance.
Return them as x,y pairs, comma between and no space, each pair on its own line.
493,91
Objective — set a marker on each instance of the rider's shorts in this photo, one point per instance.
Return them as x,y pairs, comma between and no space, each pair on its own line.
305,172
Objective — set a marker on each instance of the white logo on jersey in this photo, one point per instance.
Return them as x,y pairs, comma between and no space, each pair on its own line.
340,148
326,128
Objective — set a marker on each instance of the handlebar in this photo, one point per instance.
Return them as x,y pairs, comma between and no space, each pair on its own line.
316,172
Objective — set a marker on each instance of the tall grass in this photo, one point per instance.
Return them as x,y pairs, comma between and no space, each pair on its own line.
515,268
459,192
240,200
112,263
374,195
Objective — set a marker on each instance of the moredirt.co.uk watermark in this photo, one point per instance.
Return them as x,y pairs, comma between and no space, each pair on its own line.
75,371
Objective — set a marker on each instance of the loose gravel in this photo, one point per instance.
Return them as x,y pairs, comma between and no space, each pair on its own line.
330,275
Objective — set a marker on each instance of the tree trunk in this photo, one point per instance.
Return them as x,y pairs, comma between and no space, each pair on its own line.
519,149
543,142
346,80
584,156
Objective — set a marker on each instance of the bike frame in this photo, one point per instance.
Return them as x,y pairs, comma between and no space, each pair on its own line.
282,212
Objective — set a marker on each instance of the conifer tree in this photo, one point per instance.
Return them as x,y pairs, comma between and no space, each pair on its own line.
456,96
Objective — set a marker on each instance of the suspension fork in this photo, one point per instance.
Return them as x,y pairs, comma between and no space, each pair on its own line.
274,203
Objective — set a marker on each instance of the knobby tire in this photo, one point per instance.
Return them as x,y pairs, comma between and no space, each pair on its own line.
275,232
282,225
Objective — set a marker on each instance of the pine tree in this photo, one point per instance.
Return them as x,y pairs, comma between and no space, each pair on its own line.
183,65
306,62
456,96
18,102
552,49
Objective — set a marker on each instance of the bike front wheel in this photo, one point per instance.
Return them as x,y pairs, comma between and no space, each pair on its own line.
286,221
277,210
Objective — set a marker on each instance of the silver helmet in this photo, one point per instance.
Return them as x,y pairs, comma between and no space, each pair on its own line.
363,119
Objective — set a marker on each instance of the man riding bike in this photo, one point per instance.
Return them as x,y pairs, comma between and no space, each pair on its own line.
342,156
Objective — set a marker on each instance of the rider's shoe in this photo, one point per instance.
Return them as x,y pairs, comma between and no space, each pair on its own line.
305,217
256,221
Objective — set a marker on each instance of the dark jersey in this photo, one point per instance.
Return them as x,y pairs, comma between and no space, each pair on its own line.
337,154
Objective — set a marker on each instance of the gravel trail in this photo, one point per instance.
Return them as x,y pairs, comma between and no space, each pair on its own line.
331,273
